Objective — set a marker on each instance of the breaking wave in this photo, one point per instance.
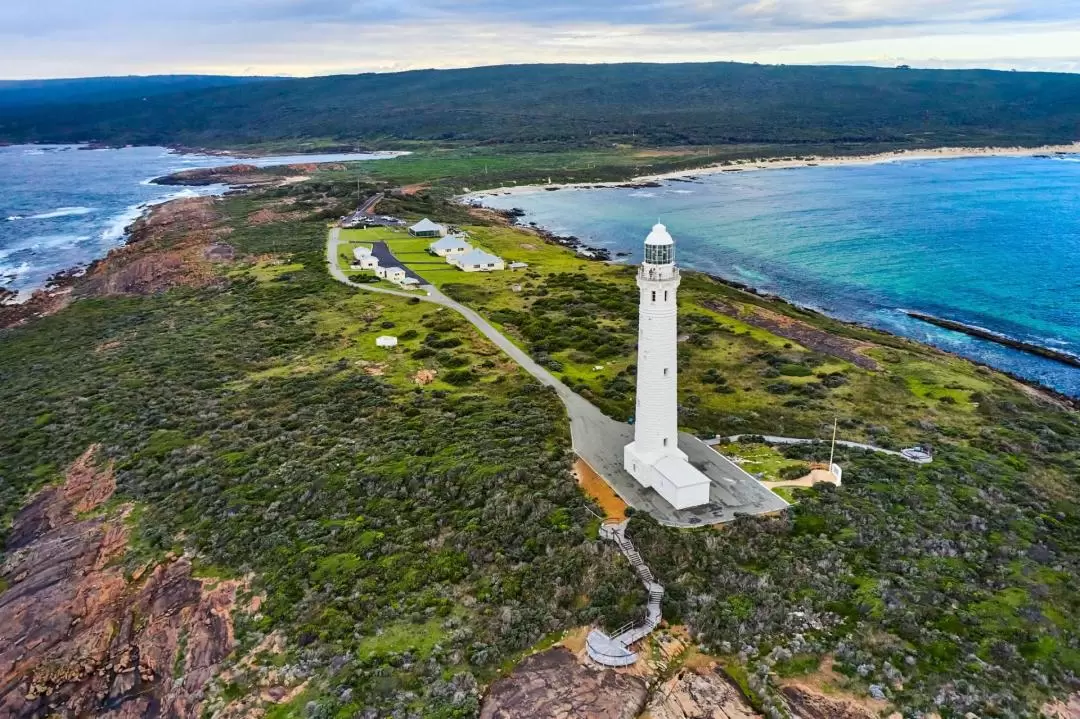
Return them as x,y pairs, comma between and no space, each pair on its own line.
59,212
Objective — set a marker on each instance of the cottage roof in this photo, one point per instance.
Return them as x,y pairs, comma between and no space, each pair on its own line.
477,257
426,225
450,243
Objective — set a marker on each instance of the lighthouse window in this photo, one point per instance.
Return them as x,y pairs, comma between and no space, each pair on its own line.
654,296
659,254
665,441
665,295
665,371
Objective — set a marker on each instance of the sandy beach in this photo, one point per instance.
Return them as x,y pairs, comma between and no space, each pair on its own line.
940,153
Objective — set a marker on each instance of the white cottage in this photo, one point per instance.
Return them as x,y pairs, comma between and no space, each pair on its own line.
476,261
369,262
394,274
452,245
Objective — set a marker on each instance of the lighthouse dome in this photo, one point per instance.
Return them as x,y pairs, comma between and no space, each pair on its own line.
659,236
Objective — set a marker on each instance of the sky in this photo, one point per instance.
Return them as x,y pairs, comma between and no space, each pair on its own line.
77,38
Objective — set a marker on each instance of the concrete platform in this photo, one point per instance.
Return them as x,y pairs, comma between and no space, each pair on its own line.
599,441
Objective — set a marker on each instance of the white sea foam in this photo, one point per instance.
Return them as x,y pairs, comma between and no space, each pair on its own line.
683,192
114,230
12,218
60,212
642,194
42,242
11,273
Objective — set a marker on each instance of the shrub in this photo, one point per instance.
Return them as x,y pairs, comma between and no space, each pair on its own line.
459,377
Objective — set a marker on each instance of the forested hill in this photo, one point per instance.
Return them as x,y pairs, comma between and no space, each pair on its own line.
68,91
658,104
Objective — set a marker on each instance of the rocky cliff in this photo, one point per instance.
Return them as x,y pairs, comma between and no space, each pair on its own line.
701,694
555,685
79,638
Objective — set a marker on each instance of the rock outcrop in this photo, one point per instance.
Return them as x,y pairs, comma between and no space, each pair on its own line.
240,174
78,638
1063,709
170,246
704,694
807,703
555,685
167,248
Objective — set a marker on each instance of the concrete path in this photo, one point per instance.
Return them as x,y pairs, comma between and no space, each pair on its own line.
770,439
599,440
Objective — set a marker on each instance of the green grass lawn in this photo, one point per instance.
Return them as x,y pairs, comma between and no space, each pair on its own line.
760,460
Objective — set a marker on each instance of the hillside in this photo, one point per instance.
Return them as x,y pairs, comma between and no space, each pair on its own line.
646,104
35,93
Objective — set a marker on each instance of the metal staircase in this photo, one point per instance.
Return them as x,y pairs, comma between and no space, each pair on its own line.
614,651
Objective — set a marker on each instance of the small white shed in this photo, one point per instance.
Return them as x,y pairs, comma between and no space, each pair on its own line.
387,341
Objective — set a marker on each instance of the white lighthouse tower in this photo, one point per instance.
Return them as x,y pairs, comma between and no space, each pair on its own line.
654,458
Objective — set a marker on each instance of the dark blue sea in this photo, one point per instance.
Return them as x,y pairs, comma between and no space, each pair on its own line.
993,242
61,206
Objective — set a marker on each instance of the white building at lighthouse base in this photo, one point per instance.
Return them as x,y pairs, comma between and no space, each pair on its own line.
670,474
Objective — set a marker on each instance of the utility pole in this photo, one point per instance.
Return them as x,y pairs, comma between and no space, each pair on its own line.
832,452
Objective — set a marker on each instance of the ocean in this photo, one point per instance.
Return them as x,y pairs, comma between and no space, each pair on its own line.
61,206
990,241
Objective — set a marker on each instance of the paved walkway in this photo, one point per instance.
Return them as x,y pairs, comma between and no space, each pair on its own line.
770,439
599,440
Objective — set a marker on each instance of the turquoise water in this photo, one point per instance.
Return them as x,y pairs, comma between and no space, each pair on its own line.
63,207
993,242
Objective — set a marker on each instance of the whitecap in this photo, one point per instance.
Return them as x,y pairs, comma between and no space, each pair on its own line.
61,212
42,242
642,194
116,226
10,273
13,218
682,192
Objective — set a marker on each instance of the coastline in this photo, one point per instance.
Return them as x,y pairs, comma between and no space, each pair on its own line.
573,243
174,183
752,165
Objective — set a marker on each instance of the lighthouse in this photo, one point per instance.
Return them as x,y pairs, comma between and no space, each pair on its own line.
654,458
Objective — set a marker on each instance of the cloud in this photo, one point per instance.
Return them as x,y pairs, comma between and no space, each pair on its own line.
300,37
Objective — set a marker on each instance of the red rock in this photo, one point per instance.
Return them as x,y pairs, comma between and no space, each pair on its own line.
77,638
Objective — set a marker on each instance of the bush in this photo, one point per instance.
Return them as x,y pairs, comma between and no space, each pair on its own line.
459,377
